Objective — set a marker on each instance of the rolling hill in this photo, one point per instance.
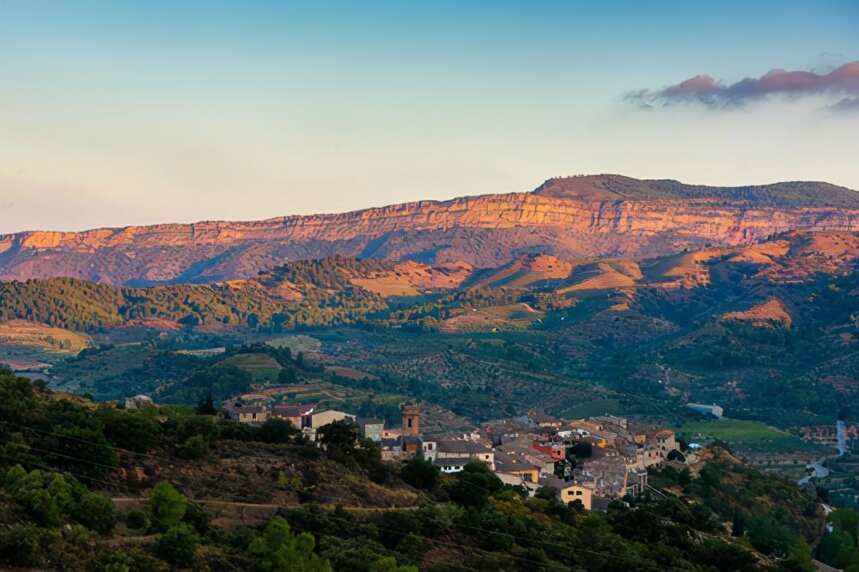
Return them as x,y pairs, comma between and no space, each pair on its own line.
770,329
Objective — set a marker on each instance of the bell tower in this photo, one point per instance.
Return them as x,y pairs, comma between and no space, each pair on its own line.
411,420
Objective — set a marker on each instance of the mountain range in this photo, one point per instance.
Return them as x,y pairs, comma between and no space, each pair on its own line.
573,217
603,289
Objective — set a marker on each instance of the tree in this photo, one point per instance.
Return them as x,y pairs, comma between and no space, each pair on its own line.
167,505
389,564
83,451
96,512
207,406
197,425
582,450
798,559
420,474
178,545
340,436
287,375
738,524
546,493
278,550
130,430
277,431
724,556
474,485
195,447
846,520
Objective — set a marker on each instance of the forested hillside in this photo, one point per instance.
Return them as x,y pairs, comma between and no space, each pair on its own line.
89,486
769,331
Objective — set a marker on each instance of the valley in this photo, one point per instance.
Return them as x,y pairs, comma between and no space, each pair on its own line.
724,325
562,345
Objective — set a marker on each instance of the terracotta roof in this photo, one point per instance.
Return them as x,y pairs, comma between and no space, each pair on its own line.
292,410
251,410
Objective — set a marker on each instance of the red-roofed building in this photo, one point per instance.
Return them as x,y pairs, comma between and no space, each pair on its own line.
558,451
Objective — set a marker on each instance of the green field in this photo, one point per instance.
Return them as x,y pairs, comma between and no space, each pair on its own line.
741,434
262,367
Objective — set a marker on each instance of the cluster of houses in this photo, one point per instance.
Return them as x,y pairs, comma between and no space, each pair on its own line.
257,408
589,460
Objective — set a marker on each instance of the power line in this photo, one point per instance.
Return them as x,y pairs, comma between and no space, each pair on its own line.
53,469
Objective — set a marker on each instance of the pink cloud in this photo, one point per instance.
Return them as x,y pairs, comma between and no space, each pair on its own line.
843,81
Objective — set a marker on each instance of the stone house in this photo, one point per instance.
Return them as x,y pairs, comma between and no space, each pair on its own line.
323,418
252,415
458,449
371,428
569,491
298,415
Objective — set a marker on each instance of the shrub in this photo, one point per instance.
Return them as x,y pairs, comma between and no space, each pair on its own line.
178,545
420,474
276,431
138,520
195,447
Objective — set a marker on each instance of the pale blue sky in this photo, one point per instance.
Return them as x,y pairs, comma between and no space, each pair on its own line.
115,113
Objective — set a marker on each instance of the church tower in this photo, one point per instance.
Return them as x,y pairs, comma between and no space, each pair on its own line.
411,420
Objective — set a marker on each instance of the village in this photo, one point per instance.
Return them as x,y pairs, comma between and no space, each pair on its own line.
587,461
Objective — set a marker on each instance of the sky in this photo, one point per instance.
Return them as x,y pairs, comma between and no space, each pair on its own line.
118,112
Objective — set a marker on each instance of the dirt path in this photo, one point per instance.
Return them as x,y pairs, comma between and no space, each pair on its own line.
227,514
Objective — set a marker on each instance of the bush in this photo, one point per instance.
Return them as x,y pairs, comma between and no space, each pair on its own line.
474,485
195,447
196,517
52,499
276,431
95,512
138,520
278,549
178,545
420,474
21,544
130,430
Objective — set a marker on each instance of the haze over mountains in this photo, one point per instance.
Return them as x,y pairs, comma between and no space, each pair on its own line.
587,216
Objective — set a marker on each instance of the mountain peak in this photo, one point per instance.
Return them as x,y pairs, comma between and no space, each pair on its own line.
595,188
609,187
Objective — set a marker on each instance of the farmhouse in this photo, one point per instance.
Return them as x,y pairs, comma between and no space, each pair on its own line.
461,449
569,492
298,415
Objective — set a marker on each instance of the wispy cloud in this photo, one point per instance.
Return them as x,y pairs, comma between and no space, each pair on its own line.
704,89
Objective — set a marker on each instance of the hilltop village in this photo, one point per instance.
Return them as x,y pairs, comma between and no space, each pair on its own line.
588,461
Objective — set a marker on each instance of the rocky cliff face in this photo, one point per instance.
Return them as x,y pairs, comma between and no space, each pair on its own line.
581,216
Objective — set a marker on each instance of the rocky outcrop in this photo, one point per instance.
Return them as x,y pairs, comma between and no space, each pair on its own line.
582,216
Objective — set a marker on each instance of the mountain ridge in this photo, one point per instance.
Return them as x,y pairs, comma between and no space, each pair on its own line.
569,217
